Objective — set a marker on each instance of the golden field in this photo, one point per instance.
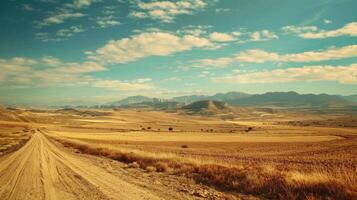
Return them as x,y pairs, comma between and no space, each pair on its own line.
281,156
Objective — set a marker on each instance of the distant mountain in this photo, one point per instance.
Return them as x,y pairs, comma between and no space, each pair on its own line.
271,99
224,110
217,97
14,114
206,105
85,113
229,96
154,104
291,99
141,100
351,98
190,99
131,100
211,107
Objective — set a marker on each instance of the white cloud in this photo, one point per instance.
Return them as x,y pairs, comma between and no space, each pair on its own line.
261,56
60,35
60,18
48,71
166,11
222,37
50,61
69,32
341,74
204,74
312,32
222,10
107,21
28,7
299,29
327,21
194,30
138,14
143,80
263,35
124,85
216,63
147,44
174,78
52,72
257,56
79,4
16,65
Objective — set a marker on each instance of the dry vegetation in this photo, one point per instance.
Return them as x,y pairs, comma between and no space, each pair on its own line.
272,160
13,136
261,178
275,158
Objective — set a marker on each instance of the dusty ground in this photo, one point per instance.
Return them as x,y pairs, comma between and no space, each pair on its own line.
13,136
44,169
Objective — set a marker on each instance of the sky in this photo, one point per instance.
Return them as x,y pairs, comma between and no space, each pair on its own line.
55,52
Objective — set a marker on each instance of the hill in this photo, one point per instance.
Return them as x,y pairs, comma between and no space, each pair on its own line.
282,100
84,113
155,105
190,99
229,96
219,108
291,99
217,97
131,100
351,98
18,115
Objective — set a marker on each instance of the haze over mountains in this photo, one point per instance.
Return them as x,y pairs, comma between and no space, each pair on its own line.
270,99
284,100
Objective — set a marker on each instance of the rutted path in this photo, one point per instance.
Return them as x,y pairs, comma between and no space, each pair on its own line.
41,170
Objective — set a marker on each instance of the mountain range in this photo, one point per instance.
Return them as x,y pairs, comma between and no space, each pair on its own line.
270,99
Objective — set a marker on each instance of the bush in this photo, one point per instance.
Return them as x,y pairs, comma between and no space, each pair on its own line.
150,169
184,146
249,129
162,167
134,165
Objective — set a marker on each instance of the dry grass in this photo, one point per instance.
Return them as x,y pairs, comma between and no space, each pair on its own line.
13,137
272,160
259,179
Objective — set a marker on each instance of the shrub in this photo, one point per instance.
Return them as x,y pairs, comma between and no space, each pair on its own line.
150,169
134,165
249,129
162,167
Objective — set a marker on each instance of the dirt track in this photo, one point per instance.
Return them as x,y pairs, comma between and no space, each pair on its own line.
42,170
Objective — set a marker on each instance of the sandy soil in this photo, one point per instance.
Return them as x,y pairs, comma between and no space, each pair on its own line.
42,170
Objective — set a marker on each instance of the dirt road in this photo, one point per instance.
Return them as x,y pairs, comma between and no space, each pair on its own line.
43,170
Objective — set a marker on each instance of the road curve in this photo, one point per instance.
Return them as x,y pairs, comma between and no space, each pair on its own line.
41,170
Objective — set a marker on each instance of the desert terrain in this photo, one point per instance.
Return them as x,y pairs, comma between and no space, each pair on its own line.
148,154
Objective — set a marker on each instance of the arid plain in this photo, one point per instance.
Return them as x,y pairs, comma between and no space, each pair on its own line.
145,154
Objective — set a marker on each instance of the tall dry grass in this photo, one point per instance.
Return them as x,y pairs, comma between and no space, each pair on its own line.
261,180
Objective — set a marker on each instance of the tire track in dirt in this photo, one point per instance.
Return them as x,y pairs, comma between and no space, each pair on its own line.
41,170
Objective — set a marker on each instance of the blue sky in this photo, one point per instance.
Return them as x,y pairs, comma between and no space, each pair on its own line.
93,51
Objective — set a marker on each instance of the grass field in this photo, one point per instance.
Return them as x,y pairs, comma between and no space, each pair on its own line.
273,160
13,136
284,156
